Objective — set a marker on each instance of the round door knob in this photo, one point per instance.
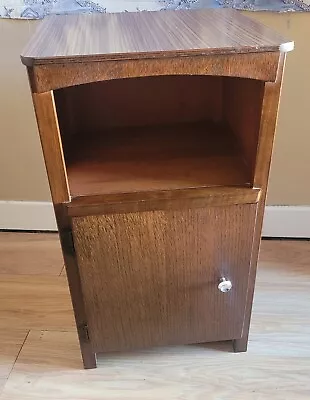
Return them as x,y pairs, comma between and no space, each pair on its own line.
225,285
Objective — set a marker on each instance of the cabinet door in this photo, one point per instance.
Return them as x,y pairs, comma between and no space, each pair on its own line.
151,278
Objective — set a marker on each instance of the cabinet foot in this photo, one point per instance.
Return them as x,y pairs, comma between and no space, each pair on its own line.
89,359
240,345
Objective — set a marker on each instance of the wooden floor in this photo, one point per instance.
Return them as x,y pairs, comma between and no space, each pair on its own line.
40,359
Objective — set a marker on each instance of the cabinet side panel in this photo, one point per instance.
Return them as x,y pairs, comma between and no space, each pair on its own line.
51,144
268,122
242,110
151,278
74,281
54,160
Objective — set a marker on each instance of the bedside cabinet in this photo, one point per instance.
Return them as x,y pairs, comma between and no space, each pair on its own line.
157,131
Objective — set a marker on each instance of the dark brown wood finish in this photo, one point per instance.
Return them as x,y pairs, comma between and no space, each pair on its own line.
54,160
55,76
151,278
51,145
238,194
143,101
242,106
161,200
155,158
98,37
74,281
167,173
268,122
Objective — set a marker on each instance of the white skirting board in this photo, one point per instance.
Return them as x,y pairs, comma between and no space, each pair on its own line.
280,221
27,216
287,221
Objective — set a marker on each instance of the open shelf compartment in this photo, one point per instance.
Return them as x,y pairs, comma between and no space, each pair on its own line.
159,133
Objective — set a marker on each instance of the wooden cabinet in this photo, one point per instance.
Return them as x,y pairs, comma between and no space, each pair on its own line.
151,278
157,132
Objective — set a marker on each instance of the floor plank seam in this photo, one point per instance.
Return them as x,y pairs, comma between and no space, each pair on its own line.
61,271
7,378
22,345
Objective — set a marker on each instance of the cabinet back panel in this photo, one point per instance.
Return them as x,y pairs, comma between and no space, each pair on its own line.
142,101
151,278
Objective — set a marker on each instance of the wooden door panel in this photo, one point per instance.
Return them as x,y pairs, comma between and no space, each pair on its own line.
151,278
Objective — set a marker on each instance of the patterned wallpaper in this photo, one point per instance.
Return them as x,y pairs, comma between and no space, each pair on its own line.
36,9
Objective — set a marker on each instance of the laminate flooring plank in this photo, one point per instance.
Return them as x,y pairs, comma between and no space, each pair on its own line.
50,366
30,253
11,342
35,302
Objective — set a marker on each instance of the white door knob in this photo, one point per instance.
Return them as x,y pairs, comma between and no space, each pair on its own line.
225,285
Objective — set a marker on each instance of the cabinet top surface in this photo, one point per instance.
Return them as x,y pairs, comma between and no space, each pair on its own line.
96,37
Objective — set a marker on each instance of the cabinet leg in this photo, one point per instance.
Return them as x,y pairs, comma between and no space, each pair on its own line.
89,358
240,345
73,275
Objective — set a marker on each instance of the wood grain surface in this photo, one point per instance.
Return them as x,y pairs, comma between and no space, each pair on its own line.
35,302
74,281
95,37
155,158
51,145
215,196
261,66
17,254
143,101
242,104
151,278
268,121
11,342
161,200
